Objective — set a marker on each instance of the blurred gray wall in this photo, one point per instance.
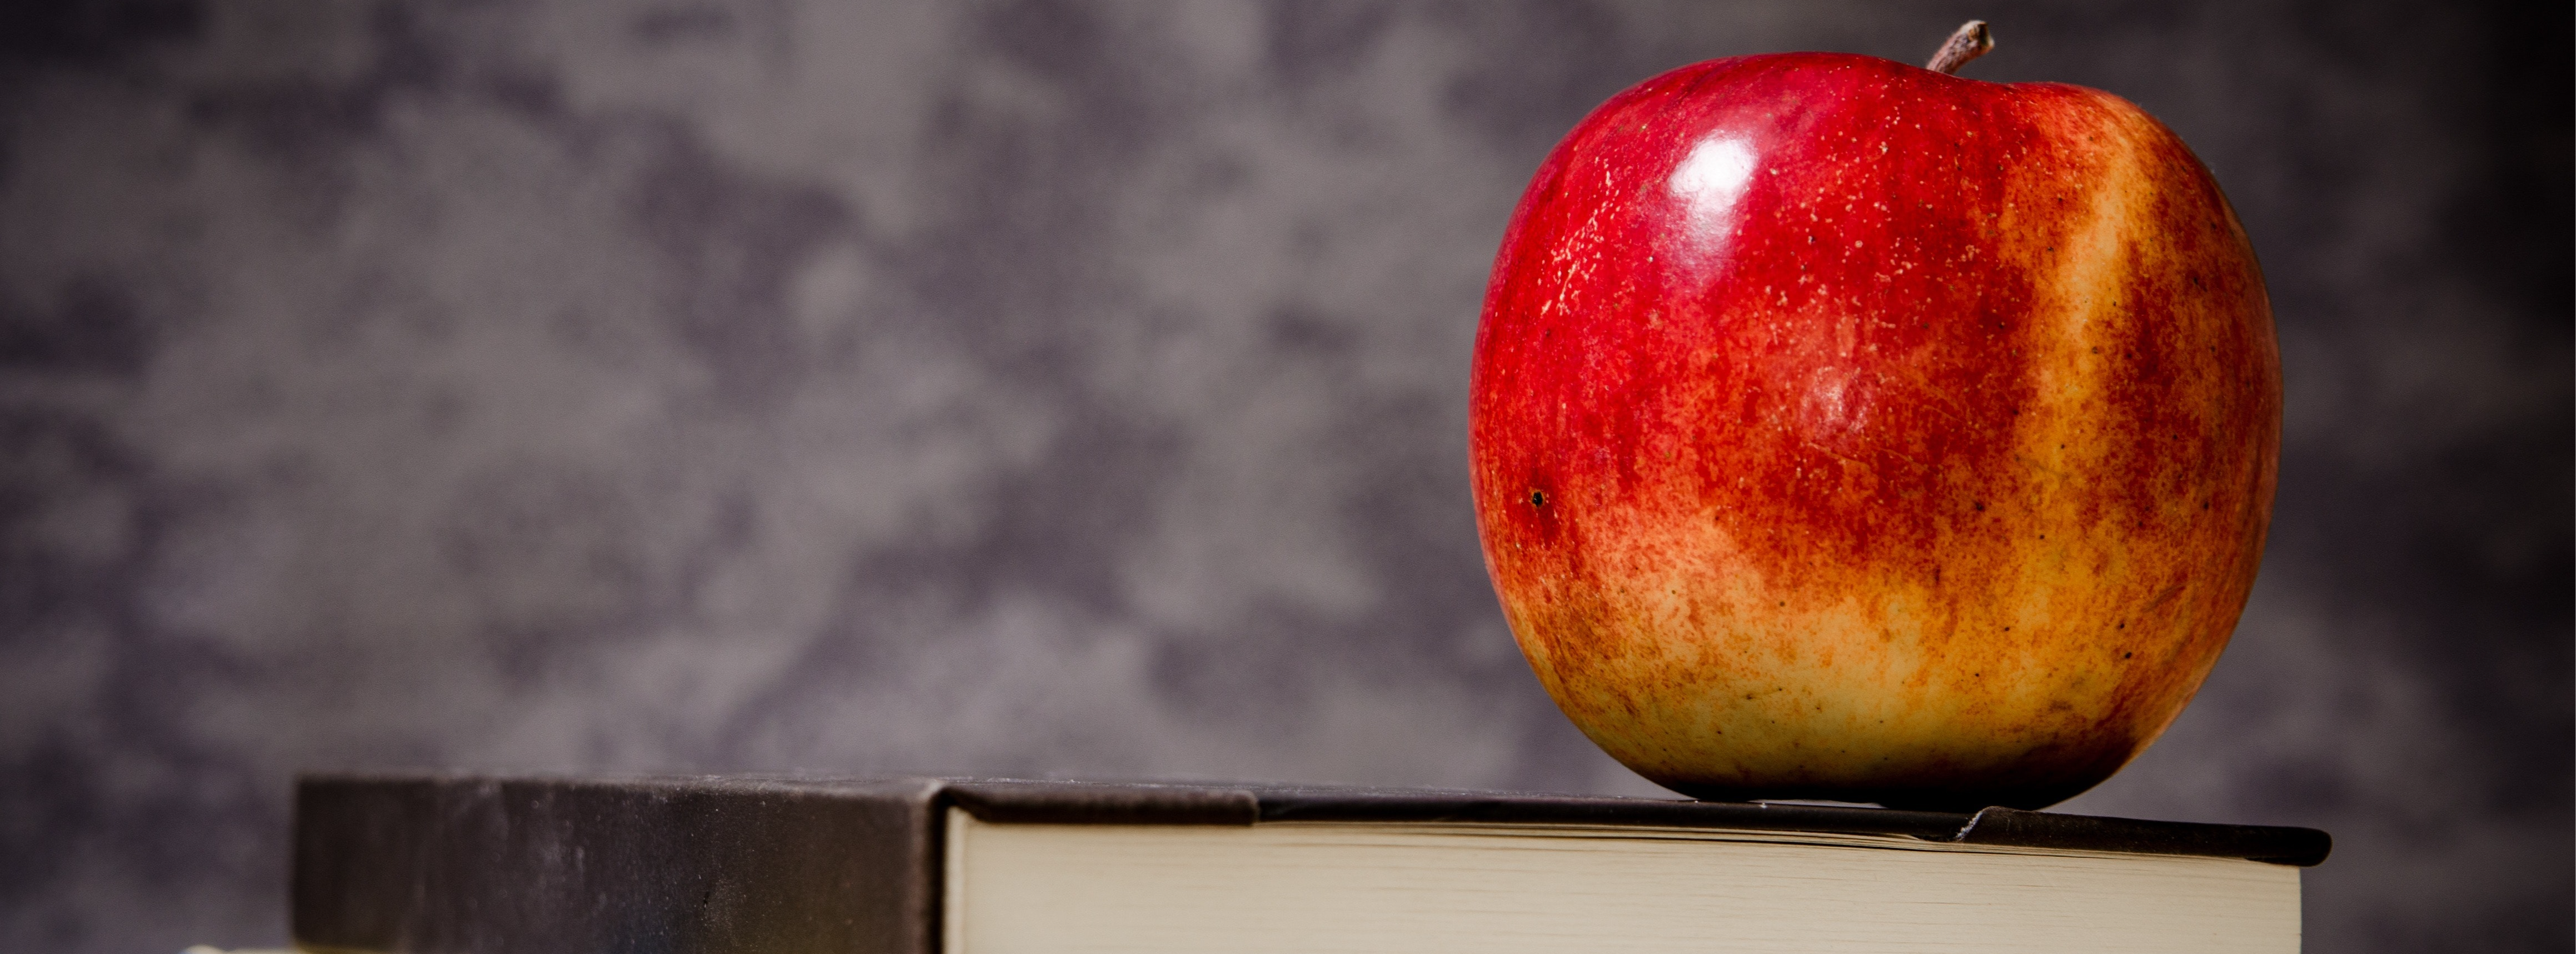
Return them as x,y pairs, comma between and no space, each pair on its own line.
1032,388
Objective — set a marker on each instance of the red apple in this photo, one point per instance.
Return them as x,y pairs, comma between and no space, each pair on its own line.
1849,430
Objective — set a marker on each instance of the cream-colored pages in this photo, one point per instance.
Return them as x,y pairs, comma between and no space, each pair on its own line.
1495,889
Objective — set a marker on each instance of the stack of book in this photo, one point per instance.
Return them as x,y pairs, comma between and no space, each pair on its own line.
441,863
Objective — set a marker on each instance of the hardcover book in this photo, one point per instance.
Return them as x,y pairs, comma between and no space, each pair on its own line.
452,863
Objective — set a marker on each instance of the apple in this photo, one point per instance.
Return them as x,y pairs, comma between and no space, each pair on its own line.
1843,429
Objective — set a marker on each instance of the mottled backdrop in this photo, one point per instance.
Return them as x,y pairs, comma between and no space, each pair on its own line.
1036,388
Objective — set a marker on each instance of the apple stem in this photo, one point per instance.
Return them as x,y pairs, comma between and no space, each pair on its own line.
1971,41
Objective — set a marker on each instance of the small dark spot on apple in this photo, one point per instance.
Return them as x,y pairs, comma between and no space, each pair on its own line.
1981,506
1538,498
2127,655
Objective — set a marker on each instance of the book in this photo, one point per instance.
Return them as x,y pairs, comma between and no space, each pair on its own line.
440,863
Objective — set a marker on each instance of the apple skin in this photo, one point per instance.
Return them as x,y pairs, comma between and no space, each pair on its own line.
1845,430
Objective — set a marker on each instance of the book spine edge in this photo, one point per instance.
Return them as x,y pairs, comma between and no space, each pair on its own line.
415,865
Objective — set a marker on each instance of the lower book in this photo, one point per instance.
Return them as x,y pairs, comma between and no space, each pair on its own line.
441,862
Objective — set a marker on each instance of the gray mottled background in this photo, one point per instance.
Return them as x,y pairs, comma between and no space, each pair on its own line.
1035,388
